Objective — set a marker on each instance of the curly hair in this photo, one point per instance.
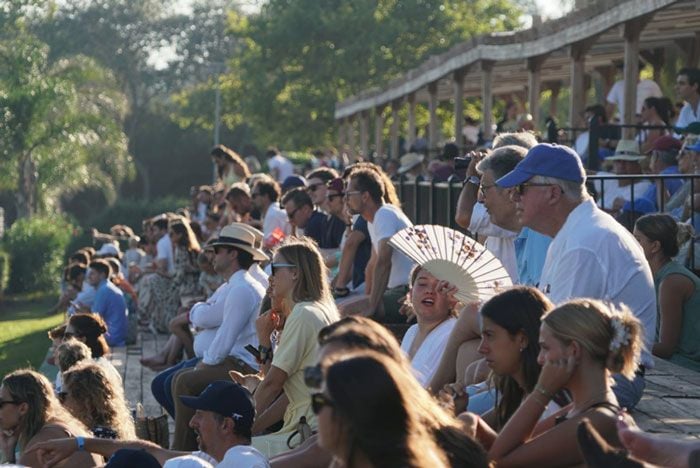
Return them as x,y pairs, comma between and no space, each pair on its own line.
102,400
71,352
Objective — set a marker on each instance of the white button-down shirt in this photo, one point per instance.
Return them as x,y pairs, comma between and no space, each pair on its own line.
594,256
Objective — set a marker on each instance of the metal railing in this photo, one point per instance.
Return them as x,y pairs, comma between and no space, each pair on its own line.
436,202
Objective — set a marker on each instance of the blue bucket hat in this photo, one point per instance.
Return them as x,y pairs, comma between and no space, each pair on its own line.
548,160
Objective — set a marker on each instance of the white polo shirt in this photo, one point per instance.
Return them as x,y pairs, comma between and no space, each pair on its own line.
388,220
500,242
594,256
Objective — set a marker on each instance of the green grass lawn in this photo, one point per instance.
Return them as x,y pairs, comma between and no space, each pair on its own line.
23,327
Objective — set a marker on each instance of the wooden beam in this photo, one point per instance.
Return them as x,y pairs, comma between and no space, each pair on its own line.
631,32
656,58
364,134
607,76
394,131
577,99
458,86
411,137
432,110
534,68
554,87
689,47
487,97
378,131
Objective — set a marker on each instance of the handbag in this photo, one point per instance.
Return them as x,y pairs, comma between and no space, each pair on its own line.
304,431
152,428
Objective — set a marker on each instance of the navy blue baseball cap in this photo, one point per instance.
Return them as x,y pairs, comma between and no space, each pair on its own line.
293,181
228,399
548,160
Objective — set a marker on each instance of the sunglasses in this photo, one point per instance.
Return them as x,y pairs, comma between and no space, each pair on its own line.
318,401
313,187
313,376
9,402
275,266
520,189
483,188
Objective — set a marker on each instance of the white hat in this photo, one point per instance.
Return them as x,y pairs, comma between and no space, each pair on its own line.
409,161
259,256
627,150
108,249
187,461
239,236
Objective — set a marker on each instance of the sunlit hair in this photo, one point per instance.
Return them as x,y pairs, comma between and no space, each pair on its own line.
311,283
102,400
590,323
518,310
91,327
413,277
228,155
524,139
71,352
30,387
357,334
375,412
390,195
662,228
187,238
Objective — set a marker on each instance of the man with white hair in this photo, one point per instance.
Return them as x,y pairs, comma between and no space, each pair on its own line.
591,255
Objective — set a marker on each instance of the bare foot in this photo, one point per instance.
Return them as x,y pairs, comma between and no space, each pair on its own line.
153,361
653,448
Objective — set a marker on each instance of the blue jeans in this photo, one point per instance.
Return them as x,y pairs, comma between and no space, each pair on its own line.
628,392
161,385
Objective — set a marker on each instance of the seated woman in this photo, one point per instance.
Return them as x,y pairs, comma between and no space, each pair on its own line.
29,414
677,292
368,415
510,347
433,306
68,354
92,397
356,333
582,342
299,278
90,329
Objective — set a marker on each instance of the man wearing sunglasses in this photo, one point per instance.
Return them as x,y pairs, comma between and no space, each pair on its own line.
591,254
304,216
317,189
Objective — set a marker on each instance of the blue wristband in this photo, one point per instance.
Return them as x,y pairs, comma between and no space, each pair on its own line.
81,443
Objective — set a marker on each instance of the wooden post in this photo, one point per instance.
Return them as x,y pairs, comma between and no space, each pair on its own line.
378,130
607,76
487,97
631,33
458,84
364,134
656,58
555,87
577,100
411,137
534,67
690,49
394,131
432,110
352,151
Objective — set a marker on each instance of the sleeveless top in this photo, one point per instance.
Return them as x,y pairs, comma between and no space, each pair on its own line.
687,352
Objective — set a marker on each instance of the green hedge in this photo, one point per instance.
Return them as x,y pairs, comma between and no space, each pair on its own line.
36,247
129,212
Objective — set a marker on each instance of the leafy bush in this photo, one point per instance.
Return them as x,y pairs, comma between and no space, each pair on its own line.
36,247
124,211
299,158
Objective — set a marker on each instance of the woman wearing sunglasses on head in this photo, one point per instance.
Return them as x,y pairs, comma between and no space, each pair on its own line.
303,305
29,414
90,329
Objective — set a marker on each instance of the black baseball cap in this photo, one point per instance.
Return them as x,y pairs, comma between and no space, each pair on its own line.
226,398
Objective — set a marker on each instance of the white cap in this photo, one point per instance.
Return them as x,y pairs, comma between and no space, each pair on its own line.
108,249
187,461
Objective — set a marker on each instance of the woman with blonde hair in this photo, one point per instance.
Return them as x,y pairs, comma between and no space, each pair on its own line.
29,414
99,403
367,415
582,342
231,167
302,306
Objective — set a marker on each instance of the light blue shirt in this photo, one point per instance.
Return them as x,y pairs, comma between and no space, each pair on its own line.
110,304
672,185
530,252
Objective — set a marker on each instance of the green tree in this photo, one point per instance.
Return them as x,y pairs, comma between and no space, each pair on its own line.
300,57
60,125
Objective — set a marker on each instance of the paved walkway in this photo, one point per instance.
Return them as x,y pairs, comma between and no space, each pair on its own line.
671,402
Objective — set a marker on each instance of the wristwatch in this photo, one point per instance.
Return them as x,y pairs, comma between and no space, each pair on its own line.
475,180
265,354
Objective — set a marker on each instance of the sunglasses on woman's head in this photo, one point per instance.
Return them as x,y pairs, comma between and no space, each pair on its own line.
318,401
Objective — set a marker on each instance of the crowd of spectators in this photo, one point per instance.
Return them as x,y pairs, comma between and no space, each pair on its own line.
280,292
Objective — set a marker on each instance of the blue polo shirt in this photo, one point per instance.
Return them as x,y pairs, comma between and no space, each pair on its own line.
110,304
530,252
672,185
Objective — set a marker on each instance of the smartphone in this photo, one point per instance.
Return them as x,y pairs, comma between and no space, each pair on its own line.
253,350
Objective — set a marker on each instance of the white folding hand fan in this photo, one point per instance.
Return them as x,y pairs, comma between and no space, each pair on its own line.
451,256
